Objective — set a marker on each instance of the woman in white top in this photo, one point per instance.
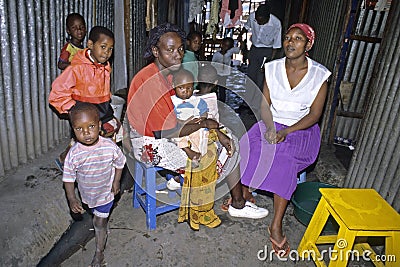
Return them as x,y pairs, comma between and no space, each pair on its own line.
295,89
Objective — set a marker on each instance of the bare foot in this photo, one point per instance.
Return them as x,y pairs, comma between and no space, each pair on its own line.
98,260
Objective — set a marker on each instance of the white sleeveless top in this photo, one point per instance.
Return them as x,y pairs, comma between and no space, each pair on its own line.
288,106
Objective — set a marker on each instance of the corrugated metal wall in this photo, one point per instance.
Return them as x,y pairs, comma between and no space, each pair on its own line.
375,163
32,35
362,53
328,19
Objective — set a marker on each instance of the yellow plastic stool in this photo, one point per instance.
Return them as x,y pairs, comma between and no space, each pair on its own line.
360,213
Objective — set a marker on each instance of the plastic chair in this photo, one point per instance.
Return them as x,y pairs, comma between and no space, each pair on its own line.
145,194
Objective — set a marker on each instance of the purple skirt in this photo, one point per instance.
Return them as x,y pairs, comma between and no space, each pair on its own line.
274,168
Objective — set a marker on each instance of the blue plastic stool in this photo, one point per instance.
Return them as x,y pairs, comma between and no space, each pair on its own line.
302,177
144,194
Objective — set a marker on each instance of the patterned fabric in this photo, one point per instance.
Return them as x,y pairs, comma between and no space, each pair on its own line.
93,167
197,199
213,22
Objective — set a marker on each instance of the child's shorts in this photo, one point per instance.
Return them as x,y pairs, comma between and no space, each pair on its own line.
103,211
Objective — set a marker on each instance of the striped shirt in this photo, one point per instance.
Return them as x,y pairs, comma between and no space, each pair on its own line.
93,167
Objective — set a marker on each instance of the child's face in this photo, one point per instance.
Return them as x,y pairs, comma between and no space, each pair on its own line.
102,49
195,44
86,127
225,46
77,30
184,87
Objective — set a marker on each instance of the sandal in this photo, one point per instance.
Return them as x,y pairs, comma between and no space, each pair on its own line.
228,201
281,249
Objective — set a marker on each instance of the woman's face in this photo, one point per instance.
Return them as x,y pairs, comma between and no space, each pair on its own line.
295,43
169,51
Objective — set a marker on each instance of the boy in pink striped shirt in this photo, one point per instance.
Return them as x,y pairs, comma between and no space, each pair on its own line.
96,164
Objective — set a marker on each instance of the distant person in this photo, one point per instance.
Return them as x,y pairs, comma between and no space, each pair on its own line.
96,164
295,89
76,30
222,62
190,58
266,39
88,80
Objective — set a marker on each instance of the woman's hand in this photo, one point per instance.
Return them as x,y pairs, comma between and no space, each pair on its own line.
281,135
270,136
227,143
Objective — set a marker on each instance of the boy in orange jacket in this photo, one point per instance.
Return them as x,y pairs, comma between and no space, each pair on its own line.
88,80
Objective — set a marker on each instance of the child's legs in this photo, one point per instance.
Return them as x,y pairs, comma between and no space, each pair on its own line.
100,220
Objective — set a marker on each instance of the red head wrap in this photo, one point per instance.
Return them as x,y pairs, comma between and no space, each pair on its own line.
308,31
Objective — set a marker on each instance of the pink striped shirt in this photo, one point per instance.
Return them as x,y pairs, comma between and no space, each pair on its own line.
93,167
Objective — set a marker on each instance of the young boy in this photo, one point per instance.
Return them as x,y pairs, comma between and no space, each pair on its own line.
187,106
76,30
222,62
96,164
190,60
88,80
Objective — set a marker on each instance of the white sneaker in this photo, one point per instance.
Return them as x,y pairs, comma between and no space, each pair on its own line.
173,185
248,211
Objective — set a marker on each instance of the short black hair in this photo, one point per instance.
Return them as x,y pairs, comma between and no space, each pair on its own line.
230,40
193,35
73,16
156,33
81,107
96,31
181,72
263,11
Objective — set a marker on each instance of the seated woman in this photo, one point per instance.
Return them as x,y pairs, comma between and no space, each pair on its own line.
150,113
295,88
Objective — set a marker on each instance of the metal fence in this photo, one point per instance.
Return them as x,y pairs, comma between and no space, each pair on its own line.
32,35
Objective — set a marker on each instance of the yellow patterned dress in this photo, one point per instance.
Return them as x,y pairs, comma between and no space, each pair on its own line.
198,191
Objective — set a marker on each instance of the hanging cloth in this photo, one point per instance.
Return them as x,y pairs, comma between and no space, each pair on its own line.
195,8
231,10
213,22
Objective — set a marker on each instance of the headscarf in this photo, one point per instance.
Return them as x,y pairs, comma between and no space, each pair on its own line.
308,31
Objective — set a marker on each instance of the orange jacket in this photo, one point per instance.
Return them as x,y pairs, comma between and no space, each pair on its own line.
83,81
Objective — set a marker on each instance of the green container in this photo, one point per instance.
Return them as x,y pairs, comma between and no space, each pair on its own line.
305,199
